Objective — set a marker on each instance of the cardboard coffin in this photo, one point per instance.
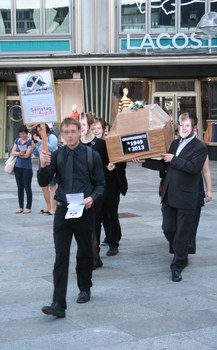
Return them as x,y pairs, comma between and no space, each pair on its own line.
145,133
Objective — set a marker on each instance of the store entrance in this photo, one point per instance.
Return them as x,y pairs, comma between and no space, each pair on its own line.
175,104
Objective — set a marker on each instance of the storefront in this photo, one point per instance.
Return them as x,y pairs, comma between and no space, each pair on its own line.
158,50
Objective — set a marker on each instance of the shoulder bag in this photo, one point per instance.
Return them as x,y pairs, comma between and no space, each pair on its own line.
9,164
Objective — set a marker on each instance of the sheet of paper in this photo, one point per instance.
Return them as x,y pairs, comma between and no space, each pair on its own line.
75,208
23,148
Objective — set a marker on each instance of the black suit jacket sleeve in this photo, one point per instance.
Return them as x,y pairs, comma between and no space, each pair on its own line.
191,165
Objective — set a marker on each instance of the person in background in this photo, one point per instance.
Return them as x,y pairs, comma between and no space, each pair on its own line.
116,184
73,177
88,138
37,147
107,129
22,149
99,130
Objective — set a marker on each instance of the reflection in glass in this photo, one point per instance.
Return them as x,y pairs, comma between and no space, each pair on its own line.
214,6
132,20
57,16
11,126
5,17
174,86
191,13
28,16
209,102
12,90
162,16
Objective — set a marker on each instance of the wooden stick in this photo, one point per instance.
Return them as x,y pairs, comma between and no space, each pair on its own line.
44,137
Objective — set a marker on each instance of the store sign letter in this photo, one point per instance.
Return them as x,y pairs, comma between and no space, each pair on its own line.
165,41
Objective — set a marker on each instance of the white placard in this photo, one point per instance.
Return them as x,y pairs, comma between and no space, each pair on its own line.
37,96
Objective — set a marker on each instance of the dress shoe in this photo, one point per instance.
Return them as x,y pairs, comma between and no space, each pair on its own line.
83,296
112,251
54,310
176,276
97,263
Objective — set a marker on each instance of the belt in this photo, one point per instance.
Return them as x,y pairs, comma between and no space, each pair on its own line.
62,204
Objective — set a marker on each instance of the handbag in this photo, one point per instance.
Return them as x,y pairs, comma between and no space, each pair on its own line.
9,164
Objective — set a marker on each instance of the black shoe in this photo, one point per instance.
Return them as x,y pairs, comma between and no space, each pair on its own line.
55,310
176,276
112,251
83,296
97,263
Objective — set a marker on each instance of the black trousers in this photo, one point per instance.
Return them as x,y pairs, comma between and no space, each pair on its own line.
194,226
64,229
110,207
177,226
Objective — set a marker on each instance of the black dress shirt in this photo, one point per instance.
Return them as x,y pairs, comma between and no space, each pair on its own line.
81,176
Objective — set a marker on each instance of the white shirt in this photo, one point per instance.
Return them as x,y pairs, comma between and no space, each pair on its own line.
183,143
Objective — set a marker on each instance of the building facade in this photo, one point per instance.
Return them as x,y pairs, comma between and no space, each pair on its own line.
163,52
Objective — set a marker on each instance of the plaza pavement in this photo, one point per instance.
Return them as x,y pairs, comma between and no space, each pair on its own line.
134,303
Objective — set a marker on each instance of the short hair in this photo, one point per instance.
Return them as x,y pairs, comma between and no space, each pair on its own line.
188,115
23,128
68,121
90,117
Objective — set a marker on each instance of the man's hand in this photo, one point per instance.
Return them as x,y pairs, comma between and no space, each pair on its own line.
45,159
137,160
167,157
88,202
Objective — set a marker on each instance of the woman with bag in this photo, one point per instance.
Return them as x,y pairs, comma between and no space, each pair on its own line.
22,149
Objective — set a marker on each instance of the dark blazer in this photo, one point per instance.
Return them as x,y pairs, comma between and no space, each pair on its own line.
183,174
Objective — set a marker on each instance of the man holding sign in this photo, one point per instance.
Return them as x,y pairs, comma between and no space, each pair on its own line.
73,177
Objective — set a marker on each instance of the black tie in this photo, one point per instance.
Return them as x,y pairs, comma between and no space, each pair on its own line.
69,173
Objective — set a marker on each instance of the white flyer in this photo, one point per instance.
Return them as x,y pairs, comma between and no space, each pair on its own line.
75,206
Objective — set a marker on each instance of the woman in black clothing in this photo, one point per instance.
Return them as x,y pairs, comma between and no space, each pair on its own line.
113,189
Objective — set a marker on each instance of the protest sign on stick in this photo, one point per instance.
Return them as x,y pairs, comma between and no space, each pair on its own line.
37,96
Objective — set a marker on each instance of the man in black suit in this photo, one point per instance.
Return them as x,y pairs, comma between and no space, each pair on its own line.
183,164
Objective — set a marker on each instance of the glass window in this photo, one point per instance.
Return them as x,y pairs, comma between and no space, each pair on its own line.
167,86
162,16
57,16
12,90
137,90
5,17
191,13
28,16
209,102
214,6
132,16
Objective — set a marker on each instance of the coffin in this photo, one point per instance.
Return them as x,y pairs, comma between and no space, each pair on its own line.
145,133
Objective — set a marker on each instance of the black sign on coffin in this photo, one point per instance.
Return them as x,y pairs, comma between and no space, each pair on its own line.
135,143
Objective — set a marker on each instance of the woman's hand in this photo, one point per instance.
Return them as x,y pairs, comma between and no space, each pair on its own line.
111,166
